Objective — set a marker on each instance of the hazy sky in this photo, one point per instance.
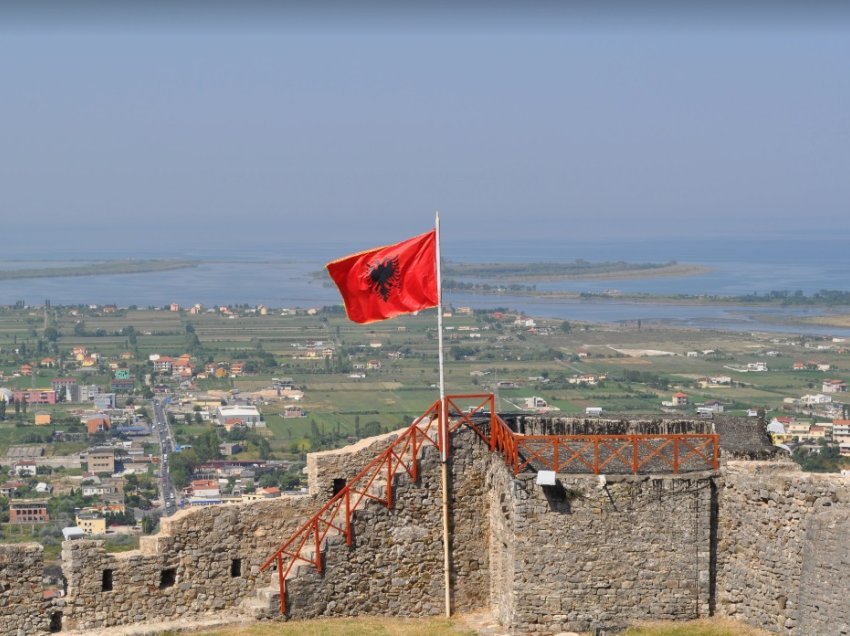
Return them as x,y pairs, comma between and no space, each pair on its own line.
204,124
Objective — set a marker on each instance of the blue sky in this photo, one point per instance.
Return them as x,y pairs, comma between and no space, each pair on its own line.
208,124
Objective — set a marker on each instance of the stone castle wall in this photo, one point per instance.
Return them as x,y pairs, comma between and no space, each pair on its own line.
760,542
397,565
203,560
783,553
592,552
23,609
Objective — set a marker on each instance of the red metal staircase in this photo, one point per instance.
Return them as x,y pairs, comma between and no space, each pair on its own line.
574,453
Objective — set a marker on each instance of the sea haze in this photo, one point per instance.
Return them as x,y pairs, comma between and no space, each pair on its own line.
281,275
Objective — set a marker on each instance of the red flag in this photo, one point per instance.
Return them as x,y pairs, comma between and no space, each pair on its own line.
388,281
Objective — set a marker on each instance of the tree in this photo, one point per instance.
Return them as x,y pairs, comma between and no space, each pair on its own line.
206,446
372,428
265,448
566,327
150,523
268,480
51,334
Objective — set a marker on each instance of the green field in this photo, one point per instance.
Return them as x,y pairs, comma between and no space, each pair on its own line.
381,376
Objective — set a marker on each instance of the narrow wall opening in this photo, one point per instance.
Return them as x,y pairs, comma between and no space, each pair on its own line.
167,578
106,581
235,568
55,622
338,485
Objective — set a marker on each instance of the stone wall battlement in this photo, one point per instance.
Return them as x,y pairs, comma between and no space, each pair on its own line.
758,541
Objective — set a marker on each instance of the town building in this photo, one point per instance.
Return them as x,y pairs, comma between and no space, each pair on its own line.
28,511
91,523
101,460
35,396
122,385
834,386
104,401
229,416
87,392
205,489
43,419
66,389
97,424
679,399
25,468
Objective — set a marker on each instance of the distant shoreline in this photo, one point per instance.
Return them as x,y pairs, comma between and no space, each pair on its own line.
660,299
506,273
842,321
98,269
678,269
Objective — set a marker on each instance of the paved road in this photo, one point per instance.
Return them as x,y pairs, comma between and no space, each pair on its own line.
166,442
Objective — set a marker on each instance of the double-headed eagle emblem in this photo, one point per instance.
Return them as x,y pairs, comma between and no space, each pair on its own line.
384,277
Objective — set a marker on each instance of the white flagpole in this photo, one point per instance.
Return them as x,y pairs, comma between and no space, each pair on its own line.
443,430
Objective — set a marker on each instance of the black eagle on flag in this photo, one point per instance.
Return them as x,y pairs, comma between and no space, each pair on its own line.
384,277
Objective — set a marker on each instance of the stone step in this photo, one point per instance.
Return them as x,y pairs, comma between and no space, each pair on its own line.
265,602
267,594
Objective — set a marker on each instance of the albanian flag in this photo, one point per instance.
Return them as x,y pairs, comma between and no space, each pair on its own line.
388,281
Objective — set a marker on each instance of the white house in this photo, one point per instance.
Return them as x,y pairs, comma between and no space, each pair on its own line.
535,402
712,407
25,468
834,386
246,415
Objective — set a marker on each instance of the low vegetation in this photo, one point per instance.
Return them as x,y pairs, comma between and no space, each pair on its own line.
350,627
705,627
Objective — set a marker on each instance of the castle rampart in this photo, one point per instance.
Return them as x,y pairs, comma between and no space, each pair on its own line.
783,553
758,541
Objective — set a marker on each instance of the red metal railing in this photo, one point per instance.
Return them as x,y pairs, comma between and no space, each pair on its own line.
595,454
599,454
305,546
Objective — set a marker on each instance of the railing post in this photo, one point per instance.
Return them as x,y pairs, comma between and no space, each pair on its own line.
635,454
676,455
595,455
555,454
348,517
281,584
318,555
389,481
716,445
414,465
